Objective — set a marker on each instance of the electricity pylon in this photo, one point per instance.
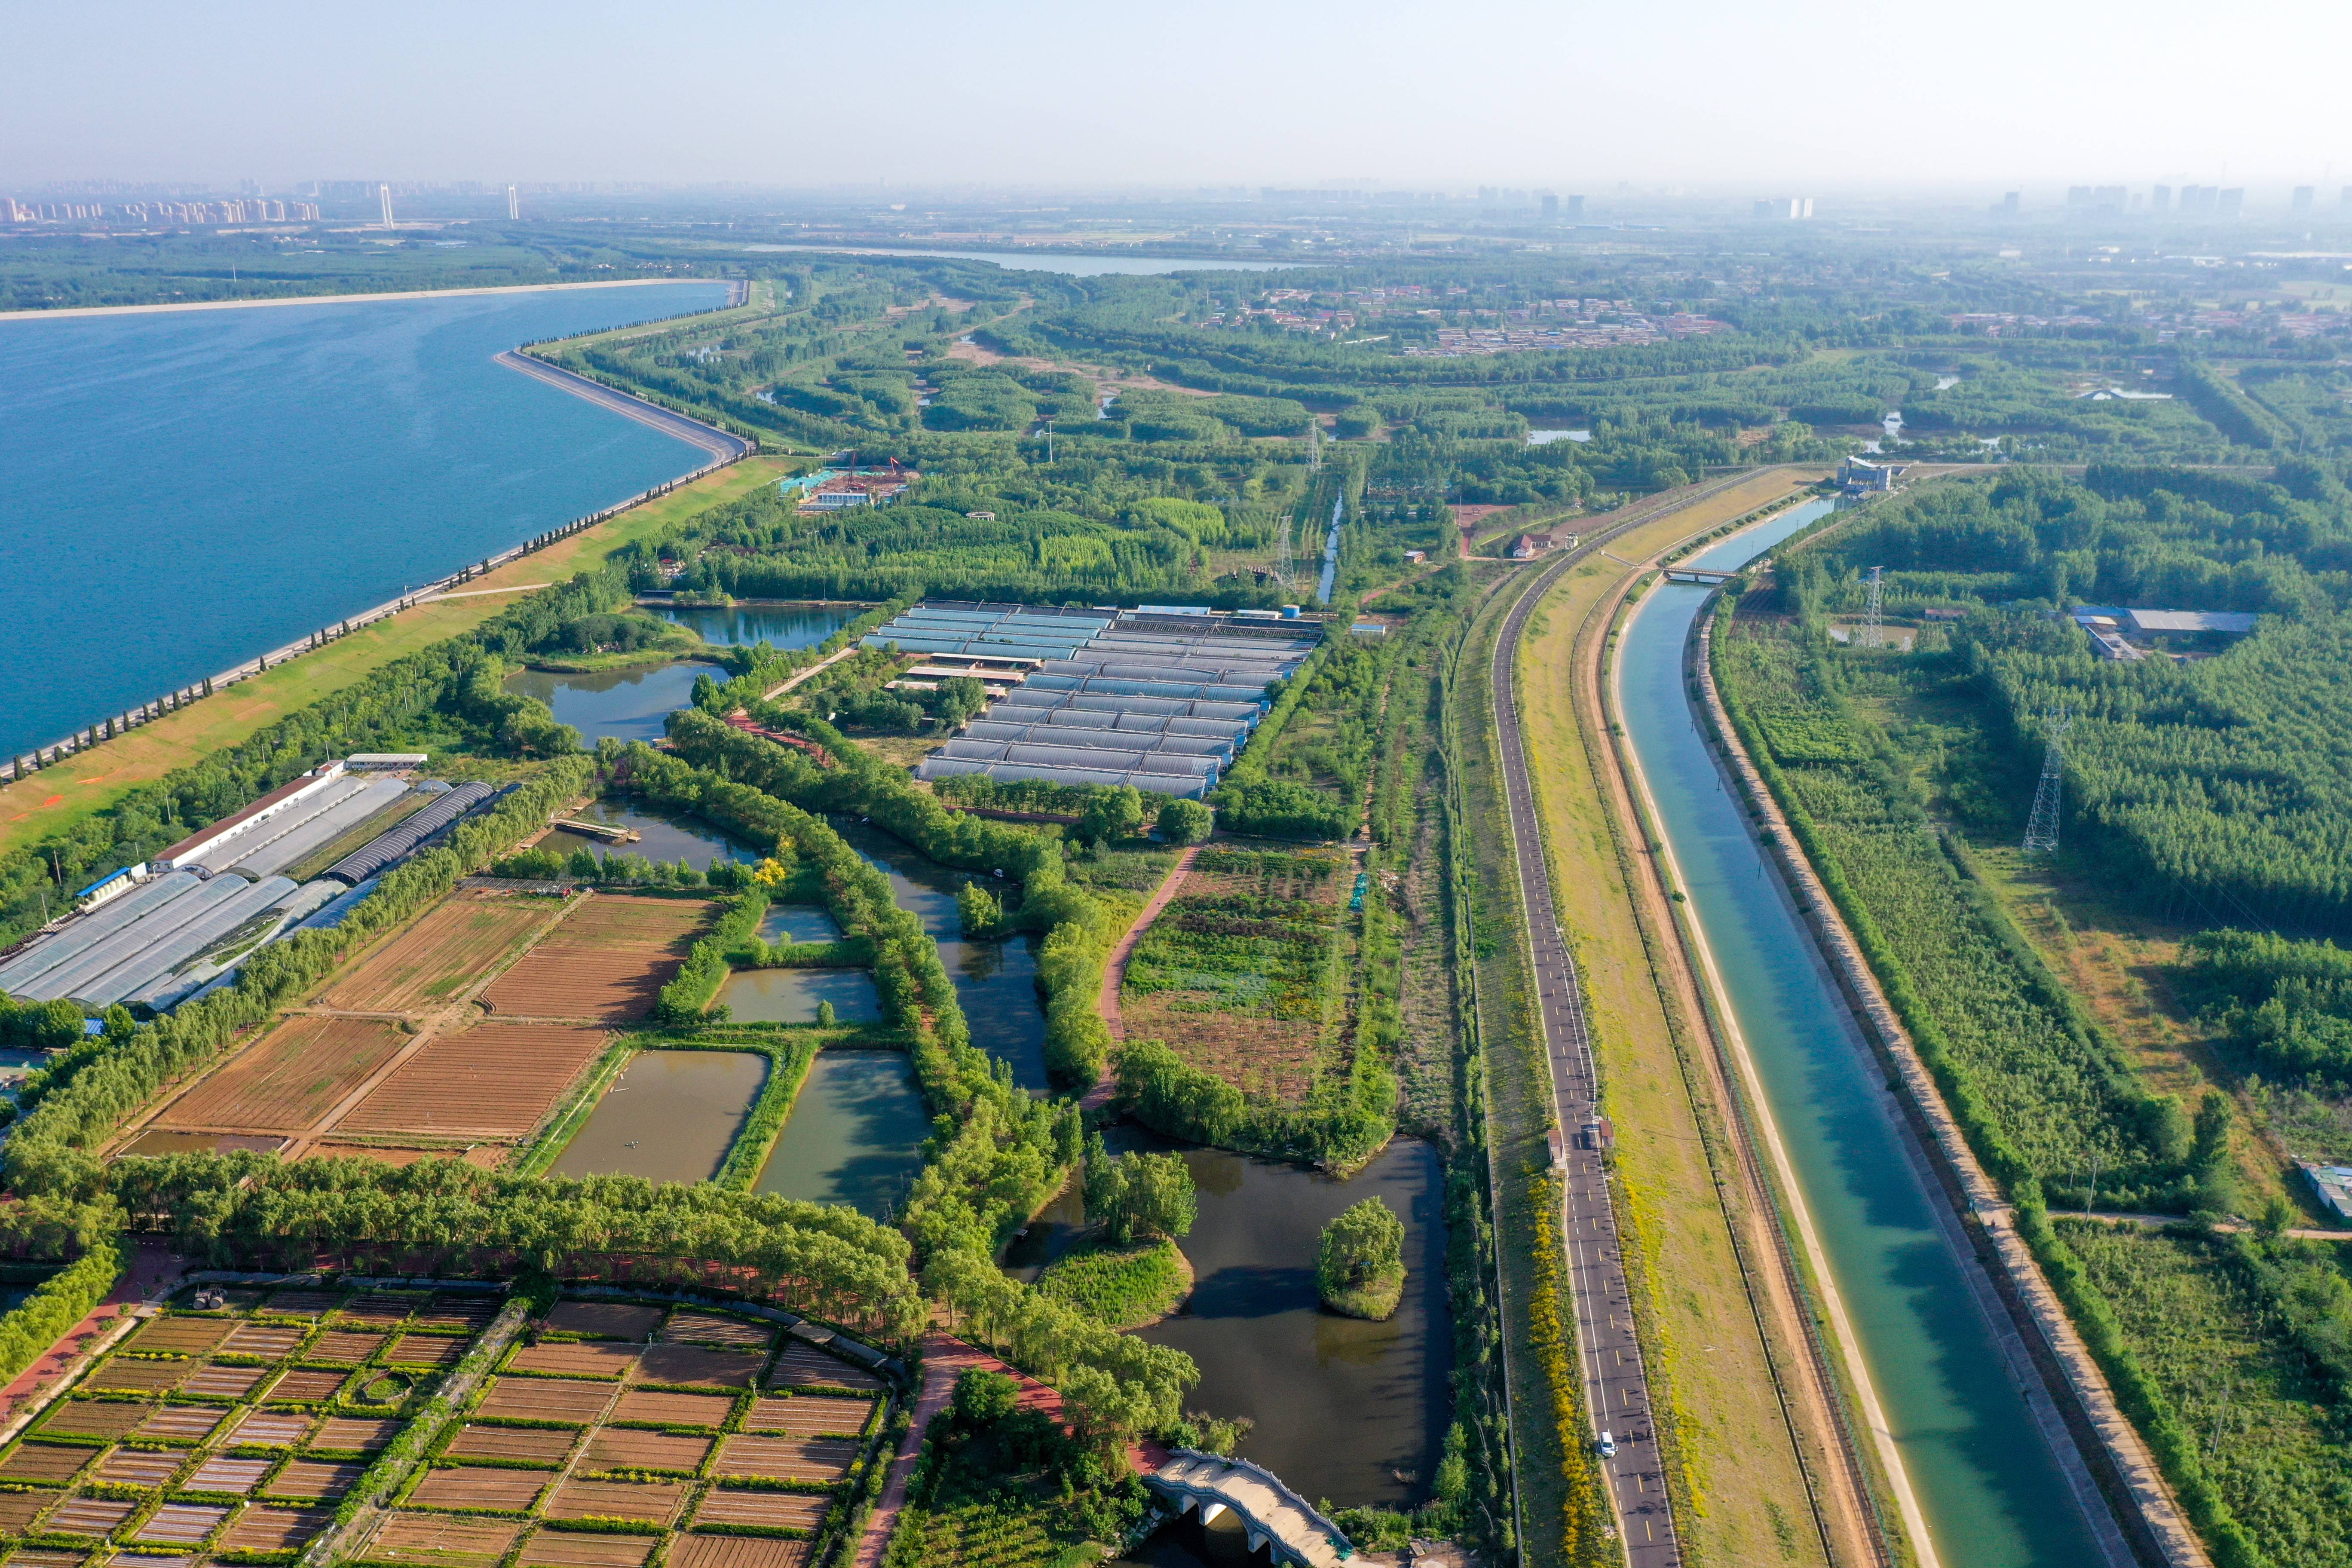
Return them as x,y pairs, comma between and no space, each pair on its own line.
1873,634
2041,831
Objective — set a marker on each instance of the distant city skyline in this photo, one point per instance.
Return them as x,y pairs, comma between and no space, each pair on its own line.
1819,95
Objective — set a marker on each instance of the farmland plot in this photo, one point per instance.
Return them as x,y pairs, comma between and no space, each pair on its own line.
288,1080
1237,976
609,961
493,1081
810,1416
451,946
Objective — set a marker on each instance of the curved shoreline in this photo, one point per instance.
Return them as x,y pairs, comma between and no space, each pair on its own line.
85,312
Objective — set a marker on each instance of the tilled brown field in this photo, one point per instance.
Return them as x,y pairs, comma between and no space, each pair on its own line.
585,1358
476,1487
564,1549
626,1448
787,1459
656,1500
289,1080
545,1399
455,944
608,960
539,1444
810,1416
737,1550
437,1538
790,1511
493,1081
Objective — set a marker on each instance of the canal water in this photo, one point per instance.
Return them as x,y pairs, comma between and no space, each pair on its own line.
792,996
855,1133
660,837
1990,1489
778,625
301,463
671,1116
626,704
995,981
1345,1409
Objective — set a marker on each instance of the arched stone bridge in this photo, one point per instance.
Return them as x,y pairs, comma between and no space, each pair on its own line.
1277,1519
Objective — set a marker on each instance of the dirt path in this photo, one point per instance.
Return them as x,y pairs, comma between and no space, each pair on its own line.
1115,972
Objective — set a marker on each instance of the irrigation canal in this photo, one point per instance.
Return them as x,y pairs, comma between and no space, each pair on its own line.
1989,1489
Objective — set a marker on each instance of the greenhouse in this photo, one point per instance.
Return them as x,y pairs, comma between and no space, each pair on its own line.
1163,699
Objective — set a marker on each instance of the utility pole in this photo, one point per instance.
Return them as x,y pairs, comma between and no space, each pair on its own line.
1314,444
2042,830
1873,634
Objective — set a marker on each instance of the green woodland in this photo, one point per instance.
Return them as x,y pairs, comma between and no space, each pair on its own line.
1122,438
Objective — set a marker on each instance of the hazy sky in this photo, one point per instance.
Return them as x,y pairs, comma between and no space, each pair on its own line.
1718,94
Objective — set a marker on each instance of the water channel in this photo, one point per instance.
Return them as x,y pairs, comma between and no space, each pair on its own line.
742,624
626,704
996,982
671,1116
1990,1491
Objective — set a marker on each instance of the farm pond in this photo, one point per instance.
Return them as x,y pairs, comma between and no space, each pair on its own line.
671,1116
793,995
855,1133
626,704
741,625
1345,1409
661,836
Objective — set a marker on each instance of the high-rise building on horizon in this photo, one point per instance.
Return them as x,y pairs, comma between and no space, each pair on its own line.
2230,202
2302,200
2160,198
2011,201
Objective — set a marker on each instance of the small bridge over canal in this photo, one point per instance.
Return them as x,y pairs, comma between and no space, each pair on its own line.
1698,574
1277,1519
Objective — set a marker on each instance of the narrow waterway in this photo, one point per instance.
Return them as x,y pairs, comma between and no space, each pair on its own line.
1990,1491
662,835
995,981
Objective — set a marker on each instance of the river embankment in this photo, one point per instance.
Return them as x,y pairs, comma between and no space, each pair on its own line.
1918,1340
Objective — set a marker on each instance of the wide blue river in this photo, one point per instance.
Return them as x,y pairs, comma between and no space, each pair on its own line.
1989,1485
181,490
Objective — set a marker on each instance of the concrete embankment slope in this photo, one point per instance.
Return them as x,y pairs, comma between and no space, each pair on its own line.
2038,1332
721,447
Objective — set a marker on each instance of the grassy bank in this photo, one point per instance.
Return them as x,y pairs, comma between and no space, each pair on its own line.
1728,1435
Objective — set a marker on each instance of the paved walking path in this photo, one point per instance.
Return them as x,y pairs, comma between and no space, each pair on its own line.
1115,974
152,1269
826,663
945,1359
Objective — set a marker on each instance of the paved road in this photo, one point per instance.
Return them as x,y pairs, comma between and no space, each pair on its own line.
1616,1387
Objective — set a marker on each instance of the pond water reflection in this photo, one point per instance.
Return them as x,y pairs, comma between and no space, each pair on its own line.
855,1133
996,982
778,625
671,1116
626,704
792,996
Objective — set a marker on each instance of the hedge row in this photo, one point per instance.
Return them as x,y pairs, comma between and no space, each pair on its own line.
63,1300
